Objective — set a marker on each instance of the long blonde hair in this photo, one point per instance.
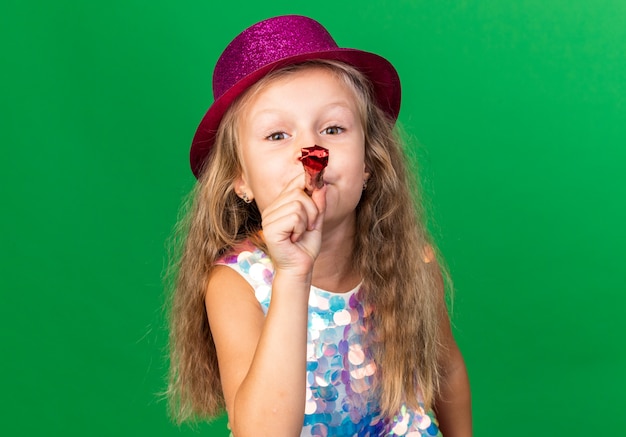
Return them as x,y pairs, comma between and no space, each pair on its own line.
389,255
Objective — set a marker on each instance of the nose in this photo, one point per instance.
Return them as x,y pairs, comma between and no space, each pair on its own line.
306,138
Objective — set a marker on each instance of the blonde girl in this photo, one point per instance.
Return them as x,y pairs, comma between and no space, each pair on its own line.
316,314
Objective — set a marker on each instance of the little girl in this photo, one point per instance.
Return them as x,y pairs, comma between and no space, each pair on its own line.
309,312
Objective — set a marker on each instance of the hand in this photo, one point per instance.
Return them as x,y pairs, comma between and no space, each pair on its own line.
292,228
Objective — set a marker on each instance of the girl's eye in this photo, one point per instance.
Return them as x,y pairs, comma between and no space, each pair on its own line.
277,136
332,130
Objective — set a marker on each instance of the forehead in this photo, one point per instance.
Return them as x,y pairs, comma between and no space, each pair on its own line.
311,82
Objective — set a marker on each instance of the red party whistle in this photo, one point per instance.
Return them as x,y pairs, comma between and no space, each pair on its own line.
314,159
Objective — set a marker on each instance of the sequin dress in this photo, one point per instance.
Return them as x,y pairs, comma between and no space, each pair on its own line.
340,370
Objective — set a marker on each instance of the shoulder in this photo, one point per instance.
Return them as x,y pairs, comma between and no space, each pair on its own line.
229,300
226,285
428,254
429,257
247,267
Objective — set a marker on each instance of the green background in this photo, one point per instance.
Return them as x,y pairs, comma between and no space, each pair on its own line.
519,109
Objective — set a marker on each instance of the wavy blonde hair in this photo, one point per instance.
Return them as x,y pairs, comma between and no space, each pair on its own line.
389,255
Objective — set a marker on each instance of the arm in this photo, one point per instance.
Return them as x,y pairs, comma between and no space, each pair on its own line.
453,405
262,360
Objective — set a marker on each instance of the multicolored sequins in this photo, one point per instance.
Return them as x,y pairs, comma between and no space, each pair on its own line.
340,370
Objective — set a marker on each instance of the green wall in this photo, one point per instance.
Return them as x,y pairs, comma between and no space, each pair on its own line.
519,108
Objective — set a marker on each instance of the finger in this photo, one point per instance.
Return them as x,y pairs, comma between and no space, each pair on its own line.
289,192
289,218
300,226
297,182
295,199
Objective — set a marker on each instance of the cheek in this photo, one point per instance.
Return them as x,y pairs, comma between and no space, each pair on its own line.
259,167
351,166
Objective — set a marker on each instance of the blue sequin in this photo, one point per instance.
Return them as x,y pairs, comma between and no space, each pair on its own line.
337,303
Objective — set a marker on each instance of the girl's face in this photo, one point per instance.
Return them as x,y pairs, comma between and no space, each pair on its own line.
308,107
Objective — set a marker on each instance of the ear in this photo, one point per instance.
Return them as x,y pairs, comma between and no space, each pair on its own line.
366,177
242,189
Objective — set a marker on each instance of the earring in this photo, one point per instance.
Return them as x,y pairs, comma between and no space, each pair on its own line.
245,198
364,184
